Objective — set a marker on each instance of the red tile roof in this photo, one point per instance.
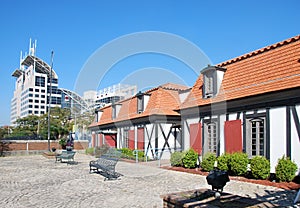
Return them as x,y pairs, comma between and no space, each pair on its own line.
163,100
272,68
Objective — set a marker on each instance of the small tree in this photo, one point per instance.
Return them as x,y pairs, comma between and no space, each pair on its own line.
238,163
190,159
260,167
285,169
223,162
176,159
208,161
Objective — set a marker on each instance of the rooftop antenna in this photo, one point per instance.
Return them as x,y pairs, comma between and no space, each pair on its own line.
35,47
21,58
32,48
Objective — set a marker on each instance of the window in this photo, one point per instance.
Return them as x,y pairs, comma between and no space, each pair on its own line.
212,77
210,84
125,139
40,81
211,136
114,112
140,102
256,136
54,80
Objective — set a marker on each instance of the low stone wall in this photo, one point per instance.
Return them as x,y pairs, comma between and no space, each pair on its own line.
38,146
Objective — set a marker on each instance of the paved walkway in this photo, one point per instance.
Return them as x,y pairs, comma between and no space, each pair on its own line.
35,181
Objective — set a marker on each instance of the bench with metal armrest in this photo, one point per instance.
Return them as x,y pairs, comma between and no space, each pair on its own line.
65,155
106,163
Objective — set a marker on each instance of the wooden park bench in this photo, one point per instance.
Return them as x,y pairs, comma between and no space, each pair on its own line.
106,164
65,155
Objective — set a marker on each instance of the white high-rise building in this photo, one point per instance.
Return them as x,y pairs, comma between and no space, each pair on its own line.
109,95
34,86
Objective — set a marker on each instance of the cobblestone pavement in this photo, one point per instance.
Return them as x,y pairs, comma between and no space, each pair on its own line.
36,181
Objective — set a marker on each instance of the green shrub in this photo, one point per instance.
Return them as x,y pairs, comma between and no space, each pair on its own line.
190,159
285,169
176,159
223,162
208,161
238,163
89,151
260,167
127,153
97,151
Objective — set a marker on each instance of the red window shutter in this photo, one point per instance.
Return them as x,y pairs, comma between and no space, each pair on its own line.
110,140
140,139
93,140
100,140
233,136
196,137
131,139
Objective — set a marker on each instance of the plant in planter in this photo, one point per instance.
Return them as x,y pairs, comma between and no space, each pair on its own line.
63,143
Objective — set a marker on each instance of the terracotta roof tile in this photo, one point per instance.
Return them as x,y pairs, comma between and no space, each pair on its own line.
273,68
162,101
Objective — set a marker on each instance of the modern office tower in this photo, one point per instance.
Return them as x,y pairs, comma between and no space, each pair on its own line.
35,83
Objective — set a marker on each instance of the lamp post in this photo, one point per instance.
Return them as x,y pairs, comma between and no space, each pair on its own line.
50,100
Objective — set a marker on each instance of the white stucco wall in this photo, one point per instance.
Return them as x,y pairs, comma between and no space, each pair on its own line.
277,135
221,133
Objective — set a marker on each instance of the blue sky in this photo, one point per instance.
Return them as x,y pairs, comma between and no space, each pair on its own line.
75,30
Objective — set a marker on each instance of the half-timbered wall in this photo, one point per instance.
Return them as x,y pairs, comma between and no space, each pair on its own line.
272,132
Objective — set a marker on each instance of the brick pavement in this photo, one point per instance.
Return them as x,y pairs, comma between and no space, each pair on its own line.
35,181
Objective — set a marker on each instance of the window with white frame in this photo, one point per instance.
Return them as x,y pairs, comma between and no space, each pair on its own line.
209,83
210,136
140,102
256,136
125,138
